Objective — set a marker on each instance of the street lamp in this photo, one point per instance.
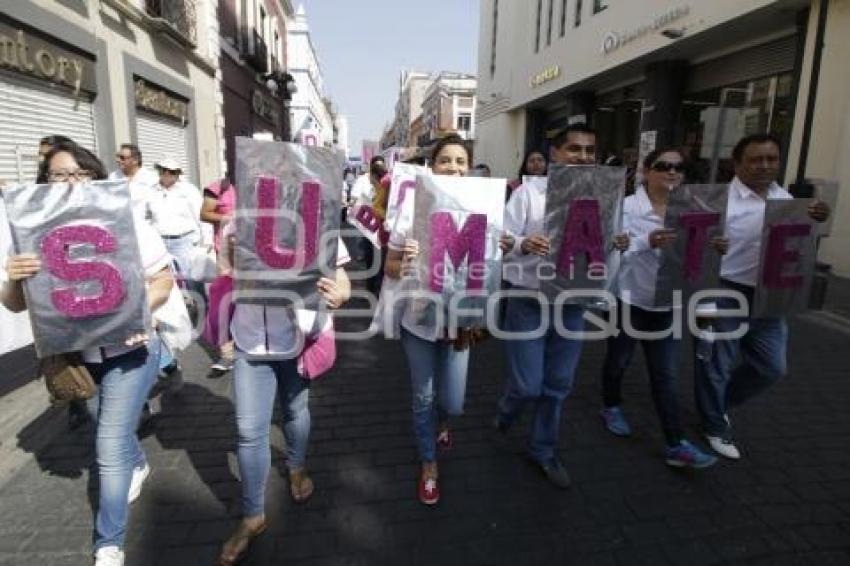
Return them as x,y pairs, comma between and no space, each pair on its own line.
282,84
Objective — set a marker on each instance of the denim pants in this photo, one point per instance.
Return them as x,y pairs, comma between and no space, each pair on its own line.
722,380
123,386
541,371
181,250
662,364
434,366
255,383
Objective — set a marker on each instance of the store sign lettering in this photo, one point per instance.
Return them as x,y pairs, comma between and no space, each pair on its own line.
545,76
615,40
43,63
160,102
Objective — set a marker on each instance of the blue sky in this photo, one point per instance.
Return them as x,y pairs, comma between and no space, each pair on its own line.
364,45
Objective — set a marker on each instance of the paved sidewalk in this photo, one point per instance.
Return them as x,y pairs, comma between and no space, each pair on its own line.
786,502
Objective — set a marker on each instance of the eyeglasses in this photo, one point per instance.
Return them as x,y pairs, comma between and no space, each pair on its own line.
63,176
665,166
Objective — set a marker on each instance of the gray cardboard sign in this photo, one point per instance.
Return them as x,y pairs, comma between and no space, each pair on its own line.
457,222
788,256
287,221
90,291
691,263
583,215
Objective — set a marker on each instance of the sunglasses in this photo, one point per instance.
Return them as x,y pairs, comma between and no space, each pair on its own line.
664,166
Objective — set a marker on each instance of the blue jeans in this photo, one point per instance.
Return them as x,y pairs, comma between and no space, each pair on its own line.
541,371
123,386
434,366
722,381
255,384
662,361
181,250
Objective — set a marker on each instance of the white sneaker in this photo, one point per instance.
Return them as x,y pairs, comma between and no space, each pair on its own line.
724,447
109,556
139,477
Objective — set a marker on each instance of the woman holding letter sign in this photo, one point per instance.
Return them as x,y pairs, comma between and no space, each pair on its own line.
439,364
643,219
124,375
268,364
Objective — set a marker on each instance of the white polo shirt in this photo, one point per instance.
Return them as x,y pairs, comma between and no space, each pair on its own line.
271,331
639,267
141,190
744,225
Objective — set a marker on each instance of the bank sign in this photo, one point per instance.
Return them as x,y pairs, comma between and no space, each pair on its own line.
31,55
615,40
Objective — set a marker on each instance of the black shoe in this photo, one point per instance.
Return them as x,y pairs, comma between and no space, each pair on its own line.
556,473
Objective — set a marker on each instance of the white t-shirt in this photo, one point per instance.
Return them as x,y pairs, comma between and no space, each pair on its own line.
270,331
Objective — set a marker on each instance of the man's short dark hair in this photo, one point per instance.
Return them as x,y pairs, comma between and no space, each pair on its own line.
577,128
134,150
746,141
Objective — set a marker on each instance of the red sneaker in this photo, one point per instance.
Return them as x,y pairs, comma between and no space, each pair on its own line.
444,440
429,491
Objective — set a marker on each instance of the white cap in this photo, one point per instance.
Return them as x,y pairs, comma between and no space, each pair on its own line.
169,163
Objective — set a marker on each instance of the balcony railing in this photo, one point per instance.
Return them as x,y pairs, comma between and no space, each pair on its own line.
255,52
175,19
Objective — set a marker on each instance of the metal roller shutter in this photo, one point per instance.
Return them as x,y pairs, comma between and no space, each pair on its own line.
28,112
757,62
159,137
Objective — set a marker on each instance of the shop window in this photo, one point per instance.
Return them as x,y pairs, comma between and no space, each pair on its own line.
713,121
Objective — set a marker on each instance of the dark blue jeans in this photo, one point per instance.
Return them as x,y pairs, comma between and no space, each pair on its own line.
662,364
738,370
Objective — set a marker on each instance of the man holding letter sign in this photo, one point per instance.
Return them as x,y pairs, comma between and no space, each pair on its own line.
541,369
93,275
722,381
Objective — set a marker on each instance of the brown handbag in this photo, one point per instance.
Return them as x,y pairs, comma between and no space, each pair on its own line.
67,378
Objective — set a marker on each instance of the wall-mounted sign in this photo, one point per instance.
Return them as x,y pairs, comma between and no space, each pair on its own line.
158,101
615,40
265,107
548,74
35,57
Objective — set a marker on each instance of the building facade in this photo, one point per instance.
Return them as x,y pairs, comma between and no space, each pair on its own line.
412,87
253,53
696,75
312,115
449,106
105,73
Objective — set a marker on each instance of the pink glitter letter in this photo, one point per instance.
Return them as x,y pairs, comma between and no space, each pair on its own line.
778,256
402,190
468,243
366,216
55,246
266,237
696,224
582,234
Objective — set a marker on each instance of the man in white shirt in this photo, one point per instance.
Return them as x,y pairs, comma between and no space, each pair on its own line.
140,180
721,380
176,213
541,370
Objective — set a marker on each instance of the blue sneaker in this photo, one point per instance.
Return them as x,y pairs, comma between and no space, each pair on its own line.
686,455
615,421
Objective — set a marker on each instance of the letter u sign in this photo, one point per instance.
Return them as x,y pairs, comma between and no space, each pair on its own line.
266,237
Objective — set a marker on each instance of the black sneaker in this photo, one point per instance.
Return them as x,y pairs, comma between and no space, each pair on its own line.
556,473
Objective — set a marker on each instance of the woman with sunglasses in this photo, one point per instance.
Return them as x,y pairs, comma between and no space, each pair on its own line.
643,219
124,375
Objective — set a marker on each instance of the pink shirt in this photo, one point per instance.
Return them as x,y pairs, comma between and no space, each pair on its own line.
226,204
